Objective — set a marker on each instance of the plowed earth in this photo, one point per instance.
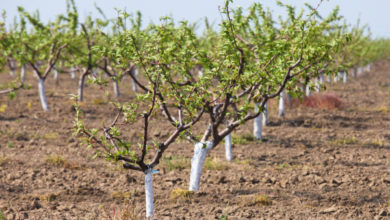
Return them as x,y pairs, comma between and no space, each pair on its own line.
313,164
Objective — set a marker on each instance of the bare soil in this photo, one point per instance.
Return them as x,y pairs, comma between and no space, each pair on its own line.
313,164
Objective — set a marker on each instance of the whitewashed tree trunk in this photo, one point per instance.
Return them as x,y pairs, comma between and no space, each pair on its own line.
116,88
134,85
73,73
12,68
329,79
354,73
23,73
81,88
281,105
369,67
308,91
345,77
55,74
265,115
42,94
228,147
197,161
360,71
257,124
149,194
95,73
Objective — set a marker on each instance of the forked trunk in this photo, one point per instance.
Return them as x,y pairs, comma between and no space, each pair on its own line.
149,194
42,94
197,161
257,124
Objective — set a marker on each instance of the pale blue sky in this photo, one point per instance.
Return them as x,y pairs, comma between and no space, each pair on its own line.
375,13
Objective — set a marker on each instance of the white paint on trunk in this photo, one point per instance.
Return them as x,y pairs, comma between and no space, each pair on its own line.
134,85
149,194
257,124
116,88
317,85
73,73
308,91
354,73
200,73
228,147
265,115
281,104
81,88
23,73
42,94
345,77
329,79
197,161
360,71
95,73
12,68
55,76
369,67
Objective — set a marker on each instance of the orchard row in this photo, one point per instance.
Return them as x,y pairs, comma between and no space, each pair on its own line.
223,78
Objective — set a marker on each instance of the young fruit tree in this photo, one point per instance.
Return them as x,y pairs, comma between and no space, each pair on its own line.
253,61
167,88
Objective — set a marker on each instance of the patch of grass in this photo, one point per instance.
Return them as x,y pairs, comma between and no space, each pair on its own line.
378,143
175,163
243,139
98,101
122,196
4,160
215,164
178,194
126,211
58,161
10,144
52,135
262,200
48,197
2,216
345,141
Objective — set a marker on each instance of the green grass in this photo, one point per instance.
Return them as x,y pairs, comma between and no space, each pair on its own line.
243,139
215,164
175,163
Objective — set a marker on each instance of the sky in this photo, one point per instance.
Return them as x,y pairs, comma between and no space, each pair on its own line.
374,13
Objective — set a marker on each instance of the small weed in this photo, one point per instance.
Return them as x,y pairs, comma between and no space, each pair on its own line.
122,196
345,141
2,216
215,164
58,161
3,107
98,102
125,211
243,139
4,160
53,135
262,200
181,194
48,197
175,163
10,144
223,217
55,160
378,143
281,166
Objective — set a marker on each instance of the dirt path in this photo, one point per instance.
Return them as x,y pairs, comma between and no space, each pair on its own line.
314,163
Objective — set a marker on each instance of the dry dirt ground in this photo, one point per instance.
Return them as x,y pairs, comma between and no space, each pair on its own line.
313,164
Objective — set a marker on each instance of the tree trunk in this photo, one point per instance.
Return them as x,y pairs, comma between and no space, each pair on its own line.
345,77
197,162
72,73
257,124
281,104
81,88
149,194
134,73
265,115
116,88
354,73
23,73
228,147
55,75
42,94
12,68
308,91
